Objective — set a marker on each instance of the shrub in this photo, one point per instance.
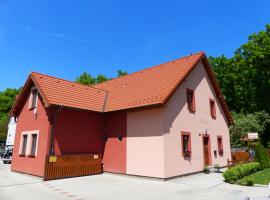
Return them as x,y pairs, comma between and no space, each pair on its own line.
239,171
249,182
261,156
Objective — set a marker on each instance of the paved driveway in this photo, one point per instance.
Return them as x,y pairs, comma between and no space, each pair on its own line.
14,186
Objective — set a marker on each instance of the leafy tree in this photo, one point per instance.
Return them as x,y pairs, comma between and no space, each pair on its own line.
245,123
245,78
100,78
85,78
121,73
7,99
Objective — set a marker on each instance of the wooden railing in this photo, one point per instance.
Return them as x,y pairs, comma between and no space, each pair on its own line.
238,158
72,165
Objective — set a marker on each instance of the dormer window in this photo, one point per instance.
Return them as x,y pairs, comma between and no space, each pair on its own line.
34,98
191,100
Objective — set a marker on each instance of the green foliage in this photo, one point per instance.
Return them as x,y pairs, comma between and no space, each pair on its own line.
235,173
86,78
245,78
121,73
261,156
100,78
7,99
244,123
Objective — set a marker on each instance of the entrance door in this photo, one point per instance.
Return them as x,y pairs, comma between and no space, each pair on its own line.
206,151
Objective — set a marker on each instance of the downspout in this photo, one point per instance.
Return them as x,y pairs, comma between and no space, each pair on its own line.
52,131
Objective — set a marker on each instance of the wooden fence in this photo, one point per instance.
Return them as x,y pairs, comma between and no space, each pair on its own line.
72,165
238,158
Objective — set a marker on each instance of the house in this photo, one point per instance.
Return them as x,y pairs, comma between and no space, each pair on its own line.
11,132
163,121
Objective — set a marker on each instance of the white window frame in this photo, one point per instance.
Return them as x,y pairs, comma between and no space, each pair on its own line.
29,142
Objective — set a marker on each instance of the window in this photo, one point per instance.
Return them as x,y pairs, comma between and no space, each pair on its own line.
34,98
24,144
29,143
213,108
186,144
34,145
191,100
220,145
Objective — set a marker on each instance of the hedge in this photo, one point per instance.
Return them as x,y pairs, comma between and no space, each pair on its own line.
261,156
240,171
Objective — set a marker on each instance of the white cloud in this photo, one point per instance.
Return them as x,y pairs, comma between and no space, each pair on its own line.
58,35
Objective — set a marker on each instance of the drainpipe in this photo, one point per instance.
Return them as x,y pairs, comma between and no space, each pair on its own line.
52,131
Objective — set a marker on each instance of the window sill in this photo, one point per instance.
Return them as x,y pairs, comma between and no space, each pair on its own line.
213,117
32,108
31,156
22,155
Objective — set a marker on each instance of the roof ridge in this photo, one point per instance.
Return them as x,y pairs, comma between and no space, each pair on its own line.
90,86
200,52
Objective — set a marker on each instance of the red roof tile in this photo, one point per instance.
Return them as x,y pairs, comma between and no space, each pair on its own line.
69,94
151,86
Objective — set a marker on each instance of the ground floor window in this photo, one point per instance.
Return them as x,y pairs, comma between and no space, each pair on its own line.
24,144
220,145
186,144
29,143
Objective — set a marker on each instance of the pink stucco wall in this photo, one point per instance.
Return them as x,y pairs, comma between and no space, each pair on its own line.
177,118
154,135
145,147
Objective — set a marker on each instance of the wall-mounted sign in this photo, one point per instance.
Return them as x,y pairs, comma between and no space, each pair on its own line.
253,136
52,159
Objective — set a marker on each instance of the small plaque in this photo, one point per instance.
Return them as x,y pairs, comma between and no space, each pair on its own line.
253,136
96,156
52,159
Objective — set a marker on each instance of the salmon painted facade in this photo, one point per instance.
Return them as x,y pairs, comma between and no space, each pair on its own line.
162,122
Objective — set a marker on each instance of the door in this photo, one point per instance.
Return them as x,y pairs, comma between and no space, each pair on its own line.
206,151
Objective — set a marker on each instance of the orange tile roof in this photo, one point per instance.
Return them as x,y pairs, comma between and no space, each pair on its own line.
69,94
148,87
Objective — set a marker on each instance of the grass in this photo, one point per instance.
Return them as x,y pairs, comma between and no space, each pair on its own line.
261,177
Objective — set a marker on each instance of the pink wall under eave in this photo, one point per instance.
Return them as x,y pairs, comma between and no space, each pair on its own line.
177,118
145,145
27,121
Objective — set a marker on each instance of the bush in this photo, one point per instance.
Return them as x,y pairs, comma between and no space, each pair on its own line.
249,182
261,156
239,171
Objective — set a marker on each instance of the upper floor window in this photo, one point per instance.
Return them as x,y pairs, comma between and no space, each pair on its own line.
191,100
213,108
186,144
220,145
34,145
34,98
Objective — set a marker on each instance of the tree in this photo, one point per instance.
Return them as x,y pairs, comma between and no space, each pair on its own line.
7,99
86,79
245,78
121,73
100,78
245,123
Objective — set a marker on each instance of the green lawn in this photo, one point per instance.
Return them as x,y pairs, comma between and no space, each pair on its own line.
261,177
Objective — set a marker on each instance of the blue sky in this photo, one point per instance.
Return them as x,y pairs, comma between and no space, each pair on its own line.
66,38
